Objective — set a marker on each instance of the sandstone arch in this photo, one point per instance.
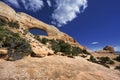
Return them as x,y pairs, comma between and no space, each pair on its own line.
28,22
39,32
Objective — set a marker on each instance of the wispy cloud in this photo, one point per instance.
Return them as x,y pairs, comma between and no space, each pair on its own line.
67,10
95,43
117,48
49,3
32,5
13,3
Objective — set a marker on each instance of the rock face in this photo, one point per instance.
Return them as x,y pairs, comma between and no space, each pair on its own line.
109,49
27,22
55,68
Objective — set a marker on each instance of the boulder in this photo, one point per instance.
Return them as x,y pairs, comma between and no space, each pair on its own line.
109,49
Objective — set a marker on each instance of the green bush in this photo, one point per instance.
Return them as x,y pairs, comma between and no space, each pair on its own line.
37,38
117,67
44,40
13,25
85,52
117,58
92,59
76,50
2,22
101,60
61,46
17,47
105,60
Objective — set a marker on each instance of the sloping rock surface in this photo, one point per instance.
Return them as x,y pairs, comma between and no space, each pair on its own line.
55,68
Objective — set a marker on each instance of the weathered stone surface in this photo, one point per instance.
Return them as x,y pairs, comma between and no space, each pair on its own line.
27,22
55,68
109,49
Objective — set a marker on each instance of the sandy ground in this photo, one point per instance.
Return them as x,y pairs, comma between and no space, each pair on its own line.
55,68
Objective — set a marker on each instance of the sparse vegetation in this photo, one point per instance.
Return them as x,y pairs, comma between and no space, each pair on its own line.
13,24
101,60
105,60
2,22
17,47
61,46
92,59
117,67
117,58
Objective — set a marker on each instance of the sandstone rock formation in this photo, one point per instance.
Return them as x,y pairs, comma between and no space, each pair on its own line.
27,22
110,49
55,68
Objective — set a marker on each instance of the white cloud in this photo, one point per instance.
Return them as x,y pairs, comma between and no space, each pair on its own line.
95,43
13,2
67,10
117,48
32,5
49,3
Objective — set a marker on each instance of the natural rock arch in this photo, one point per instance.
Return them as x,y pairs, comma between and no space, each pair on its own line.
39,32
28,22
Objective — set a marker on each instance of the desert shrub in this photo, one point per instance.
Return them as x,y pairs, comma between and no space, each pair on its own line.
13,25
86,52
76,50
37,38
2,22
117,67
92,59
17,47
105,65
117,58
44,40
101,61
55,46
105,60
65,47
61,46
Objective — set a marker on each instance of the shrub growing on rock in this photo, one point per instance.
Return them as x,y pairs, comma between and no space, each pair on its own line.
117,67
17,47
13,25
117,58
105,60
2,22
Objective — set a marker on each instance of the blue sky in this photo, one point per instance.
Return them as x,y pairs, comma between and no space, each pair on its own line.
93,23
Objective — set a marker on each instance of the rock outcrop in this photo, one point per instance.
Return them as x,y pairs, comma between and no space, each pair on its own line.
109,49
27,22
106,49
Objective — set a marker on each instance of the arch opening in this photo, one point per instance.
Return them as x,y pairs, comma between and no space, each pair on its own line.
38,32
